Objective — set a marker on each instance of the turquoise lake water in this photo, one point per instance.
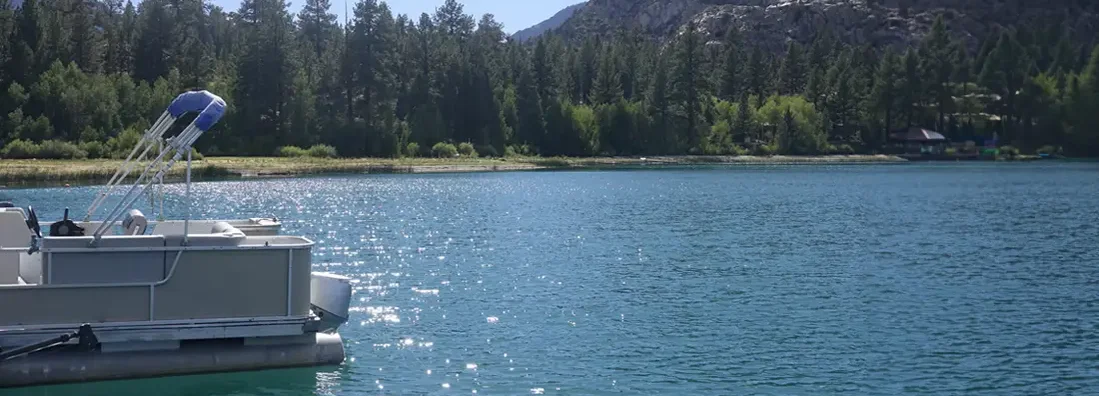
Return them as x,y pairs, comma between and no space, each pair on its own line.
936,279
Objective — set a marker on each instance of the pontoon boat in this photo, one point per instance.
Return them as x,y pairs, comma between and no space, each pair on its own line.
112,299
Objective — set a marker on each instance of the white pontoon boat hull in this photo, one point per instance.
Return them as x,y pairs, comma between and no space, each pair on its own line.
317,349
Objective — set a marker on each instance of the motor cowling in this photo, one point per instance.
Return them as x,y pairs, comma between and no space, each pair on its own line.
66,228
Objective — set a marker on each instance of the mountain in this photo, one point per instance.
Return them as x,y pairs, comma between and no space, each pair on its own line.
772,23
553,23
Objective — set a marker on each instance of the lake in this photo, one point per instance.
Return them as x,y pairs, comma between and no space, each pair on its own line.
976,278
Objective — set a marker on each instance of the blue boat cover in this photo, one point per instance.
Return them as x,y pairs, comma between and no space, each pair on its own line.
211,106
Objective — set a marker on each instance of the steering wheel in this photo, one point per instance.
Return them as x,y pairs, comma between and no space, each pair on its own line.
32,222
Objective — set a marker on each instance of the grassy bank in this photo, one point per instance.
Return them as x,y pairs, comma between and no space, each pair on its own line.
62,171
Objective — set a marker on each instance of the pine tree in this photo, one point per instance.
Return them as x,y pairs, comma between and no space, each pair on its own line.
757,75
607,87
626,55
743,127
544,71
587,66
531,121
154,38
372,56
689,84
731,82
25,64
7,20
127,44
885,92
937,63
792,75
659,106
265,78
1004,72
84,42
191,54
1084,99
911,88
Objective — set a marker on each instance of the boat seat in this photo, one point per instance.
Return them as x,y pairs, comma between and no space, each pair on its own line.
13,234
221,234
103,267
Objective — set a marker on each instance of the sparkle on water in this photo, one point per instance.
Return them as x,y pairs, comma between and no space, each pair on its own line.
935,279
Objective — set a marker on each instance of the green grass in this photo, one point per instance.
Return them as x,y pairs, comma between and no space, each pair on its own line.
83,171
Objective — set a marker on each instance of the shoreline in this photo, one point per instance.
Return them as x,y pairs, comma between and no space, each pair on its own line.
91,171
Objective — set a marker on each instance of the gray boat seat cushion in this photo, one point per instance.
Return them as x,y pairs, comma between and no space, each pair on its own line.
222,234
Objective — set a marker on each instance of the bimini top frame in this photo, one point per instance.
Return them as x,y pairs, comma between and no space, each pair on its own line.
210,107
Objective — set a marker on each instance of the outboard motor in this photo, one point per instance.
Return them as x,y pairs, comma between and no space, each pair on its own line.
330,296
66,227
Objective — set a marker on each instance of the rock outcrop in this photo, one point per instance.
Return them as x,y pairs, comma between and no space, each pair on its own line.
772,23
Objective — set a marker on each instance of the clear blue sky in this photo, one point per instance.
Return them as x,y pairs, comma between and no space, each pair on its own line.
514,14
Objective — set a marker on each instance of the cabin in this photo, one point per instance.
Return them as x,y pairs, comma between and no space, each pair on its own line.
919,141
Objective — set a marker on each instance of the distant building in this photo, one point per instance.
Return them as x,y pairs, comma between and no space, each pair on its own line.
919,141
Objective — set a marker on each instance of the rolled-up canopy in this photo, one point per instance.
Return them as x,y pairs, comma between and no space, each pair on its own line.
212,107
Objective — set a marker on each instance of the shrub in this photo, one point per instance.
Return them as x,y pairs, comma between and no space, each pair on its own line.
19,149
291,151
1009,151
120,146
554,162
487,151
466,150
843,149
518,151
443,150
412,149
195,155
764,150
951,151
323,151
1049,150
95,149
56,149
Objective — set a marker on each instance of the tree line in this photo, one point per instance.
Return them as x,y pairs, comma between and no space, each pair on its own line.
95,73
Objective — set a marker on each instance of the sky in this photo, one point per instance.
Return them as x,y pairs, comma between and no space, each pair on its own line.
514,14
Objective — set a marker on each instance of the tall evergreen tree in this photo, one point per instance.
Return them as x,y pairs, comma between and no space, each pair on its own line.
757,75
731,82
792,76
659,104
264,81
607,87
26,44
911,88
154,37
885,93
372,46
7,21
1004,72
690,85
937,63
531,121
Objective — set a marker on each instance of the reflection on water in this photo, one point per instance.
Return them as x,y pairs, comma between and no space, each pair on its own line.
287,382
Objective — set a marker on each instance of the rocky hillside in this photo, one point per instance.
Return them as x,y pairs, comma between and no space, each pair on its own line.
553,23
771,23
